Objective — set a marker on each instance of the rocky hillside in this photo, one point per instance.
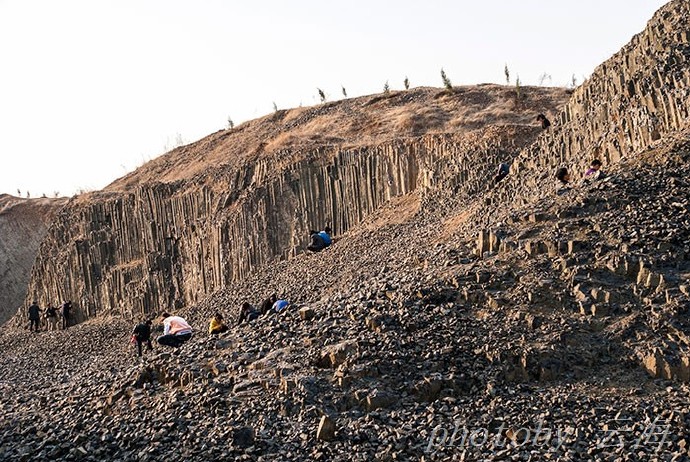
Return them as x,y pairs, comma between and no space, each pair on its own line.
23,225
189,223
453,319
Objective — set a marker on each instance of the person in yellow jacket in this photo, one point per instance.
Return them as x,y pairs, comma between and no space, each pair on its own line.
217,325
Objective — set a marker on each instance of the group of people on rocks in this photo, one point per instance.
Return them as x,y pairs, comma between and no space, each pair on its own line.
177,331
593,173
52,316
562,174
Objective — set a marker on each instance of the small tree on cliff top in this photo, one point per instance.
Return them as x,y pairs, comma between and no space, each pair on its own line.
446,81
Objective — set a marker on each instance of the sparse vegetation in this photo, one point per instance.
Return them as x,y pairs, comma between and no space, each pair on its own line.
448,85
518,90
573,81
344,92
275,107
386,88
231,124
19,193
543,78
322,95
507,74
406,83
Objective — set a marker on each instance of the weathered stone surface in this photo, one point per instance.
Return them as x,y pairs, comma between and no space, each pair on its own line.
420,342
326,430
23,225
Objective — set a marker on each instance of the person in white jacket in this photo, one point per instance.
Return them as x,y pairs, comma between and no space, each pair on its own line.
176,331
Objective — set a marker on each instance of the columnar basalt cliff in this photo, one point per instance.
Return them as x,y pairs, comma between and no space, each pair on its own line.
169,245
633,99
449,305
23,225
186,224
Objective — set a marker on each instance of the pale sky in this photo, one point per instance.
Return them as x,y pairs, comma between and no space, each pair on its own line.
91,89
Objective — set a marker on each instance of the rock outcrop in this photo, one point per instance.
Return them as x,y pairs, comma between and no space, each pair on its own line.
558,331
167,245
23,225
632,100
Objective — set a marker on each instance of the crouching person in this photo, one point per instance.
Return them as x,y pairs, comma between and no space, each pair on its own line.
320,239
176,331
142,334
217,325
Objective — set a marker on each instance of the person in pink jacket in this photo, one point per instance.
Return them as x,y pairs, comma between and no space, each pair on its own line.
176,331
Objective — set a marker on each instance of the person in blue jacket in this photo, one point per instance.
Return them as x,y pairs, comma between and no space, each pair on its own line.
320,239
280,305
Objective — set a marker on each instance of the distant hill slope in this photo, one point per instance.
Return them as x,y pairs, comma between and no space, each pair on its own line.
23,225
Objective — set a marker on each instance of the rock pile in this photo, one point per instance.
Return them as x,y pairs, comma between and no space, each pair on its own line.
418,351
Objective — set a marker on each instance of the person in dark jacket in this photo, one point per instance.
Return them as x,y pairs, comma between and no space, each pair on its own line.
34,316
247,313
66,313
503,171
51,317
544,121
267,304
320,239
141,334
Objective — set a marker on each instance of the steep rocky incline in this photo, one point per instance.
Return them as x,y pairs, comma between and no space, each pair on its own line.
135,249
23,225
399,335
635,98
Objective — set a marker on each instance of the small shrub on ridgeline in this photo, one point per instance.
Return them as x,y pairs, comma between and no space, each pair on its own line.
507,74
406,82
447,84
322,95
386,89
543,78
344,92
231,124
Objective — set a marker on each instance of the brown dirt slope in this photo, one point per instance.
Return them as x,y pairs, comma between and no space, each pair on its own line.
288,135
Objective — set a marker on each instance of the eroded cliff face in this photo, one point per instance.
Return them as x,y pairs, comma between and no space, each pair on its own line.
142,246
23,225
165,246
632,100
